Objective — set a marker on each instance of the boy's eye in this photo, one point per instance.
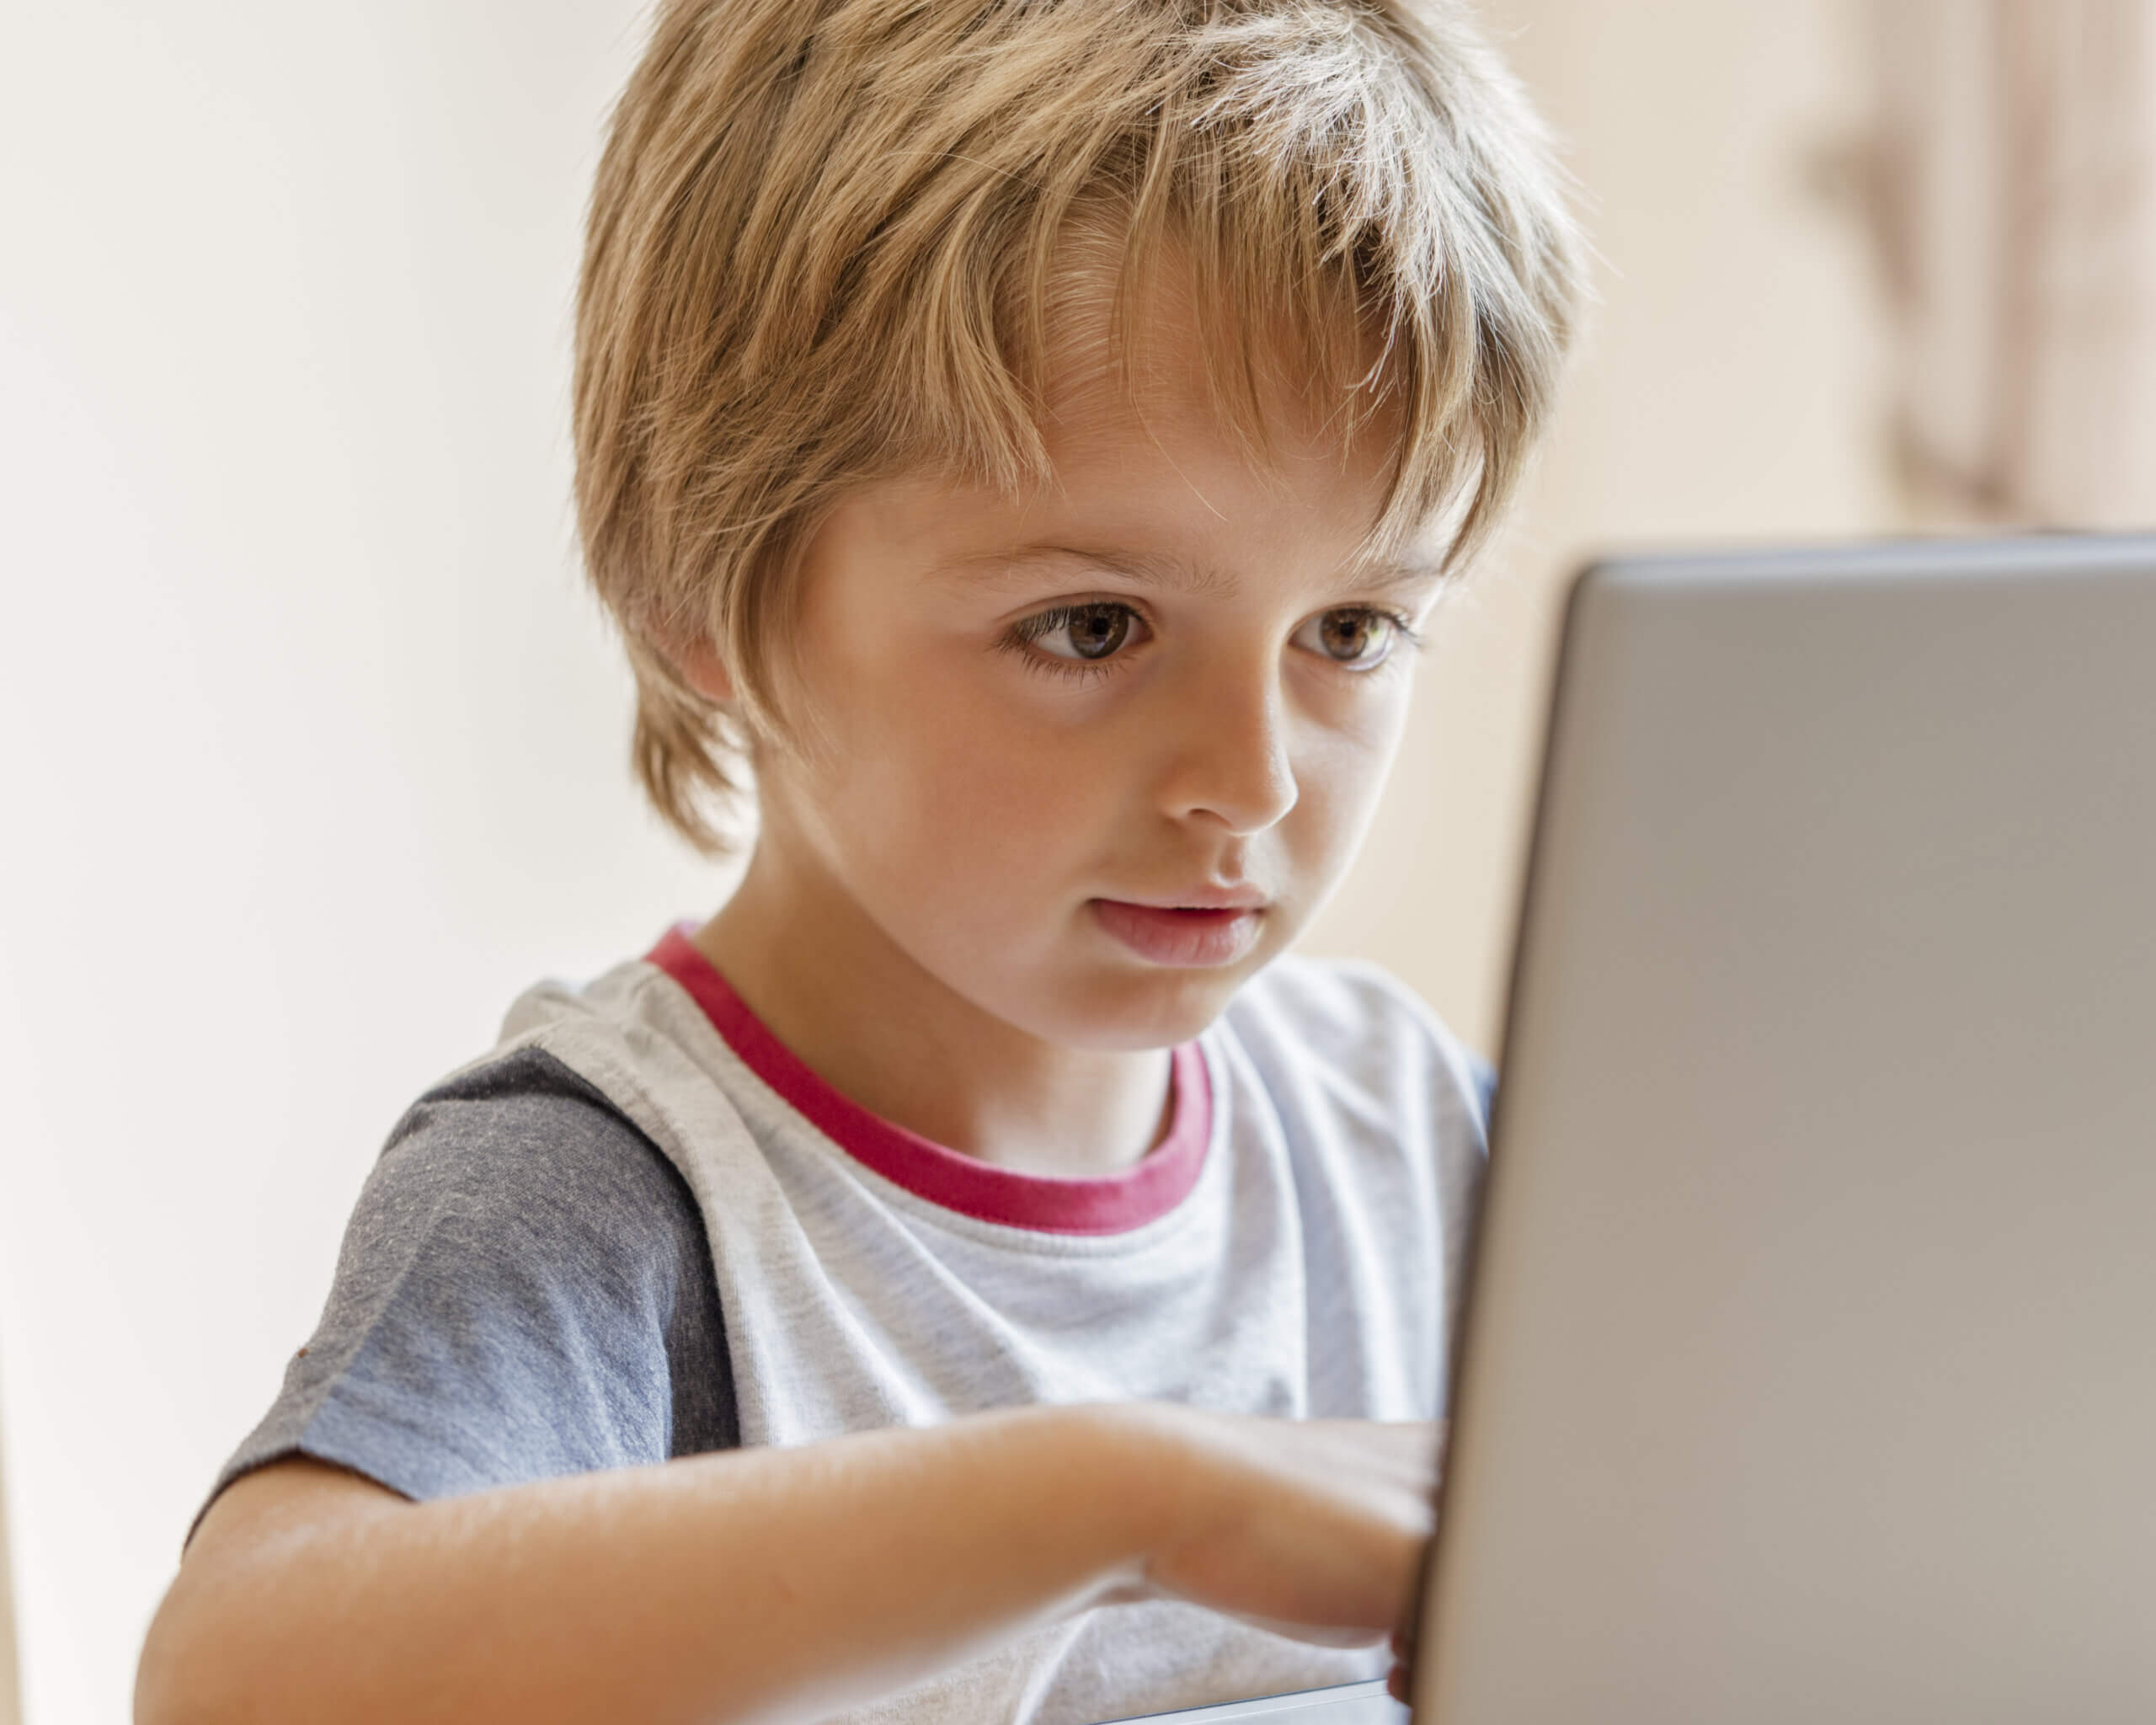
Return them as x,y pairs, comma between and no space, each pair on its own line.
1081,632
1353,638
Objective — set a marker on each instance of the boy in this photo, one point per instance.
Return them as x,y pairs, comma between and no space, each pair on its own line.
953,1282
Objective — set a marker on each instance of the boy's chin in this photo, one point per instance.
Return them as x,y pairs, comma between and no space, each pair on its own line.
1148,1006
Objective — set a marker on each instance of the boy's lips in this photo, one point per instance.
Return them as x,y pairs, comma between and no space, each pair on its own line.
1214,929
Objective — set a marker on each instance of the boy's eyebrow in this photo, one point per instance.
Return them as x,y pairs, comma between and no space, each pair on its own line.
1175,574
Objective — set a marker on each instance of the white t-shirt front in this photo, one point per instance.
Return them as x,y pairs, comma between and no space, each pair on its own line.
1293,1248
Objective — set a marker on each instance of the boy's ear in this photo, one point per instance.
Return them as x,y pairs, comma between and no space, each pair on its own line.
703,670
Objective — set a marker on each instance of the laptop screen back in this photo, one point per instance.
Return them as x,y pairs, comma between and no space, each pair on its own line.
1809,1366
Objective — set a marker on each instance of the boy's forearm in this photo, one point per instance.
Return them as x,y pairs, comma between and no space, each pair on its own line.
764,1585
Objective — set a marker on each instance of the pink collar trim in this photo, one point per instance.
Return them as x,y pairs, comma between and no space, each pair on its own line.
1113,1204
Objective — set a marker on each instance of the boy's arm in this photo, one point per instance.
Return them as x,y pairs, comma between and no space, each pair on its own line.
774,1584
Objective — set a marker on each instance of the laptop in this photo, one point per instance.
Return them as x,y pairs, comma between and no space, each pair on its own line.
1808,1364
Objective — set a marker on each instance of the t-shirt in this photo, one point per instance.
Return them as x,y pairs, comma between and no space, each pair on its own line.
643,1229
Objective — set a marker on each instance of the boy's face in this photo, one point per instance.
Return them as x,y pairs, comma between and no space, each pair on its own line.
1091,760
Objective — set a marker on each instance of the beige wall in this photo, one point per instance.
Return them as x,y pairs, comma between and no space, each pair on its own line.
10,1692
1728,389
324,746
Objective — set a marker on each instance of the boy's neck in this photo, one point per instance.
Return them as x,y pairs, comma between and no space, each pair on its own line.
864,1017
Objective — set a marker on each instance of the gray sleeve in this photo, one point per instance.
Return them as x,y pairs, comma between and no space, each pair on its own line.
524,1290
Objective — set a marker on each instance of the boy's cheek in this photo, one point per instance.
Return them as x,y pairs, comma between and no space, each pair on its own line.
967,837
1339,776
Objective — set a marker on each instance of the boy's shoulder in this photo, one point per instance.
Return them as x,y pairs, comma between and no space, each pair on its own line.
1352,1026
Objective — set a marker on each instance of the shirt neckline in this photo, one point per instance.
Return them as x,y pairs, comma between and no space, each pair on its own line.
1110,1203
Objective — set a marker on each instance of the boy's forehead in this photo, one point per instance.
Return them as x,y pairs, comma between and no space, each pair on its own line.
1107,382
1152,474
1117,419
1152,484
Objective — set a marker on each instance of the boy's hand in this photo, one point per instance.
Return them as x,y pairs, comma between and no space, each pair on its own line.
1314,1529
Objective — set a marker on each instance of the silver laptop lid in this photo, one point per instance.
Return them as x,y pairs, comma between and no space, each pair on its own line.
1809,1369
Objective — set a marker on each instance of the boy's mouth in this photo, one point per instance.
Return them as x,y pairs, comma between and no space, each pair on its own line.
1190,936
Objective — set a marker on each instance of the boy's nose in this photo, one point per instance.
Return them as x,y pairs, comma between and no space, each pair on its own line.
1231,764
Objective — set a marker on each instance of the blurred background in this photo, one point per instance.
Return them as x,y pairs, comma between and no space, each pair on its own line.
313,747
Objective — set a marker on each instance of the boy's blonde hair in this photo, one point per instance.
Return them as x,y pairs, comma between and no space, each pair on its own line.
825,235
